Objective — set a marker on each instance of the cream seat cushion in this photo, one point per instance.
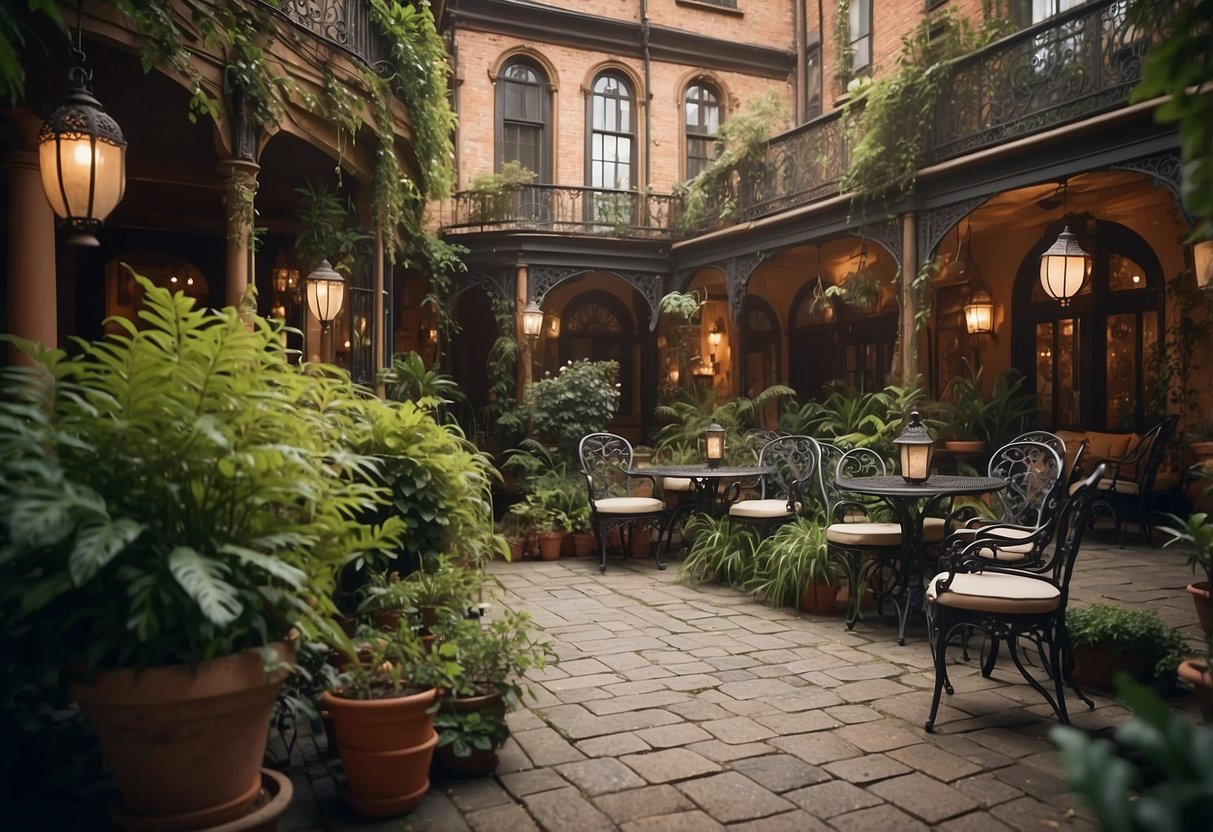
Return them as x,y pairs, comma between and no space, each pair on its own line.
677,484
760,508
992,592
628,505
881,534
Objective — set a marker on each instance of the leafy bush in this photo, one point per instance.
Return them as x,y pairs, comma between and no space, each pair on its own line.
689,416
581,398
1163,647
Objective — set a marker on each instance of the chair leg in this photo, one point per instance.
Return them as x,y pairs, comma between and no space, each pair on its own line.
987,666
1013,649
1066,668
602,538
941,672
657,546
853,561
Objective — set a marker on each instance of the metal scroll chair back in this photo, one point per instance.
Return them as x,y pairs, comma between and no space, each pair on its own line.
606,460
1035,485
1044,437
793,460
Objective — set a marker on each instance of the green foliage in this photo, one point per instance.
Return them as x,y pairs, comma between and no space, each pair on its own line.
555,492
1181,66
1163,647
1156,775
1196,536
408,379
852,419
1008,411
493,193
468,731
177,491
14,31
690,415
722,551
327,229
791,559
496,655
442,586
581,398
382,665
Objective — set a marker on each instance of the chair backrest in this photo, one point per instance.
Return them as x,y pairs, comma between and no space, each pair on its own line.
795,460
1045,438
756,439
857,462
827,467
1073,465
605,460
1035,486
1150,451
1072,525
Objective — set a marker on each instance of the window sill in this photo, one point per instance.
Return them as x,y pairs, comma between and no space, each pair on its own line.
705,5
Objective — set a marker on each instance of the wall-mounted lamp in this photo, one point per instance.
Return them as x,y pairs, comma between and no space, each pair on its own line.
979,312
82,156
717,333
551,326
284,278
532,320
917,447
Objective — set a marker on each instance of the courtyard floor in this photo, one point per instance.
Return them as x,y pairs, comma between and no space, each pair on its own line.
677,707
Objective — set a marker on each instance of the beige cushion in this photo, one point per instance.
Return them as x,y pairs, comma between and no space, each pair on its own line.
760,508
933,529
677,484
990,592
864,534
628,505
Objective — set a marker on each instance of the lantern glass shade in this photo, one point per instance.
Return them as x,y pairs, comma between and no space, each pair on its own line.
1064,267
717,333
714,443
325,293
532,320
916,448
979,313
675,374
1202,262
82,160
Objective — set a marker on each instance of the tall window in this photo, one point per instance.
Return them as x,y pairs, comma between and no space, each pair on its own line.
523,113
612,133
861,35
702,120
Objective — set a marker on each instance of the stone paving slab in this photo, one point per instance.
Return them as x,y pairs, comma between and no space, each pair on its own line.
678,707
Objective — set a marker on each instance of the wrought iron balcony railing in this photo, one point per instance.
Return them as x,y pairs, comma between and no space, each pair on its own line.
345,24
570,209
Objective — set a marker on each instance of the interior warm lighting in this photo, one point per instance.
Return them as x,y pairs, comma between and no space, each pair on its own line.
325,293
82,157
1202,263
714,442
1064,267
532,320
916,447
717,333
675,374
552,327
979,312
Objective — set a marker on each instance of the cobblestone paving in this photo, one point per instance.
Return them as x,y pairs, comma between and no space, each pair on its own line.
675,707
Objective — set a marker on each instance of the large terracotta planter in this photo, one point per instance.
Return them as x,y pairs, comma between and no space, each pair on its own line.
549,545
1096,665
481,761
271,802
1203,604
386,747
185,744
1196,673
964,446
584,544
818,598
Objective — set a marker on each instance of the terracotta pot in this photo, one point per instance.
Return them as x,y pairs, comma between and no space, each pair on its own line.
1196,673
386,746
1096,666
185,743
271,802
818,598
584,544
1203,604
549,545
642,542
567,549
387,620
964,446
481,761
517,548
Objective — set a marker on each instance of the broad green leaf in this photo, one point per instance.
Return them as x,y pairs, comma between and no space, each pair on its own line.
201,578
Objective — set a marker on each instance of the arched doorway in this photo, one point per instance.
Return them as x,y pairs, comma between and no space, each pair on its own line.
1092,363
760,346
598,327
469,357
815,357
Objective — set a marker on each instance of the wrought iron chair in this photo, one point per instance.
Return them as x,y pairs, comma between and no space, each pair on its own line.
605,462
1045,438
781,492
1035,489
1128,489
972,593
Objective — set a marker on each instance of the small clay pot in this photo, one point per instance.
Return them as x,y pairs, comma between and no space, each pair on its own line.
1203,604
1196,673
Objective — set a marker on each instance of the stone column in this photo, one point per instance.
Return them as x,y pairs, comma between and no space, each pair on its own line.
32,303
908,360
521,298
240,187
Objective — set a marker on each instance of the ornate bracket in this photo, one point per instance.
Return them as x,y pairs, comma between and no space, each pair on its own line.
737,274
933,224
1166,170
499,284
542,279
886,234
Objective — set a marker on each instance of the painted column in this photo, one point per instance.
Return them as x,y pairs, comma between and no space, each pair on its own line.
240,186
521,298
908,360
32,306
378,355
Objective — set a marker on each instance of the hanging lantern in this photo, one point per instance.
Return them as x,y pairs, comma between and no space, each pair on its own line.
717,333
532,320
1064,267
82,157
714,443
917,447
325,293
979,312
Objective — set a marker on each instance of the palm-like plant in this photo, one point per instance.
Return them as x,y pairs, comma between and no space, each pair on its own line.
689,416
853,419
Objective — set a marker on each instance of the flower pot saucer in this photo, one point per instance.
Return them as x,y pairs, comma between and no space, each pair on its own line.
269,798
382,807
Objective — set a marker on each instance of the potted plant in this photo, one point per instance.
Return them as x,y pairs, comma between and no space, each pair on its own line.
493,657
1196,535
386,599
383,716
963,413
721,551
174,499
1108,639
442,589
581,530
794,567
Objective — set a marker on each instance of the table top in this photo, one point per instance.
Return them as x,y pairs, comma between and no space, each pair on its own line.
703,471
935,486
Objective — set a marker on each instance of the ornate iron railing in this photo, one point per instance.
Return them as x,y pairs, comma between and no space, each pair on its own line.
569,209
345,24
1074,65
797,167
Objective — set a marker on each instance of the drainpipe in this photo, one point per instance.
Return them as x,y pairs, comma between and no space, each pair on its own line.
648,65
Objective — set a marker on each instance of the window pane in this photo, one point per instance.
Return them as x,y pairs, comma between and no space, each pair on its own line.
625,116
1044,373
692,114
1068,390
1122,371
1124,274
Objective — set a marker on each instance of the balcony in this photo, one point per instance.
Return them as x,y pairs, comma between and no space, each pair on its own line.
344,24
565,209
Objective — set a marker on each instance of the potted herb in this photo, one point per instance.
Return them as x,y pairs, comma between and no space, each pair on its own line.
441,589
386,599
382,714
1196,536
493,657
174,499
1108,639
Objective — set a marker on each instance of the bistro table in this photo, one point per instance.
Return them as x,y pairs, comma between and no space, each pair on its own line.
706,480
911,503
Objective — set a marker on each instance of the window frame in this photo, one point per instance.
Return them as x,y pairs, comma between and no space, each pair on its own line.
592,130
704,85
544,175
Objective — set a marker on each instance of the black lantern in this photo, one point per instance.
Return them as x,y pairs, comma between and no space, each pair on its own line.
917,448
325,293
714,440
82,157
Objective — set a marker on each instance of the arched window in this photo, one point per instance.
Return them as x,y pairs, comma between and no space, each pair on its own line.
1091,363
814,335
597,327
612,134
860,30
760,346
523,115
701,117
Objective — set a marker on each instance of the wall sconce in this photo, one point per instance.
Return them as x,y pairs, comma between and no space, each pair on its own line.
82,156
717,333
532,320
325,294
916,447
979,312
675,374
714,443
284,278
1202,263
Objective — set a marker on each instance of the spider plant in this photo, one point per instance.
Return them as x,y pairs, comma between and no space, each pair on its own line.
722,551
791,559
